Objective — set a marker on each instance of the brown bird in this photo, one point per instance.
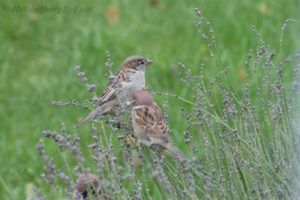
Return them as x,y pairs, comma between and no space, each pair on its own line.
120,89
87,181
148,121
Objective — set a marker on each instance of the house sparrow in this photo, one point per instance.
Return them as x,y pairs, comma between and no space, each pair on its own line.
120,89
85,181
148,121
88,185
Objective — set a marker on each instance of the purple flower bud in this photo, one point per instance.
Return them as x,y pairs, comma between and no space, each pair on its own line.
91,88
80,74
84,80
77,68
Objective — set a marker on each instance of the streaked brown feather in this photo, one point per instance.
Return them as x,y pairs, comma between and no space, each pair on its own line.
153,118
113,85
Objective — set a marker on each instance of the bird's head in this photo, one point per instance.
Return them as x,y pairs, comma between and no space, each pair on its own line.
143,98
138,63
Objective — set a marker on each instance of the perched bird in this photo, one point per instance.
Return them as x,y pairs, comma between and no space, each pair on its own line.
88,186
87,181
148,121
120,89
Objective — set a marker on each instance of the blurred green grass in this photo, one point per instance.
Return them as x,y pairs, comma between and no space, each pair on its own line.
38,53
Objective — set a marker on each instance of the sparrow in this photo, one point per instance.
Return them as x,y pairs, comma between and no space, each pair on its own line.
148,121
87,181
120,89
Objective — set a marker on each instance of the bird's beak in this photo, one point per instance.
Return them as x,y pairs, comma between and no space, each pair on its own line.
148,62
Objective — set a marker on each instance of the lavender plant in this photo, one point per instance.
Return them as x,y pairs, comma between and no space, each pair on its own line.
242,145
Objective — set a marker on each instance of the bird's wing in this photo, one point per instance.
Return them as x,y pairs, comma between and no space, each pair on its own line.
110,93
108,99
152,118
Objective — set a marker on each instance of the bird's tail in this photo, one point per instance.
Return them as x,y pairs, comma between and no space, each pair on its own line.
91,115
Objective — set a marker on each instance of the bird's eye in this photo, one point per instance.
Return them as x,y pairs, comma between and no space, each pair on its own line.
142,62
